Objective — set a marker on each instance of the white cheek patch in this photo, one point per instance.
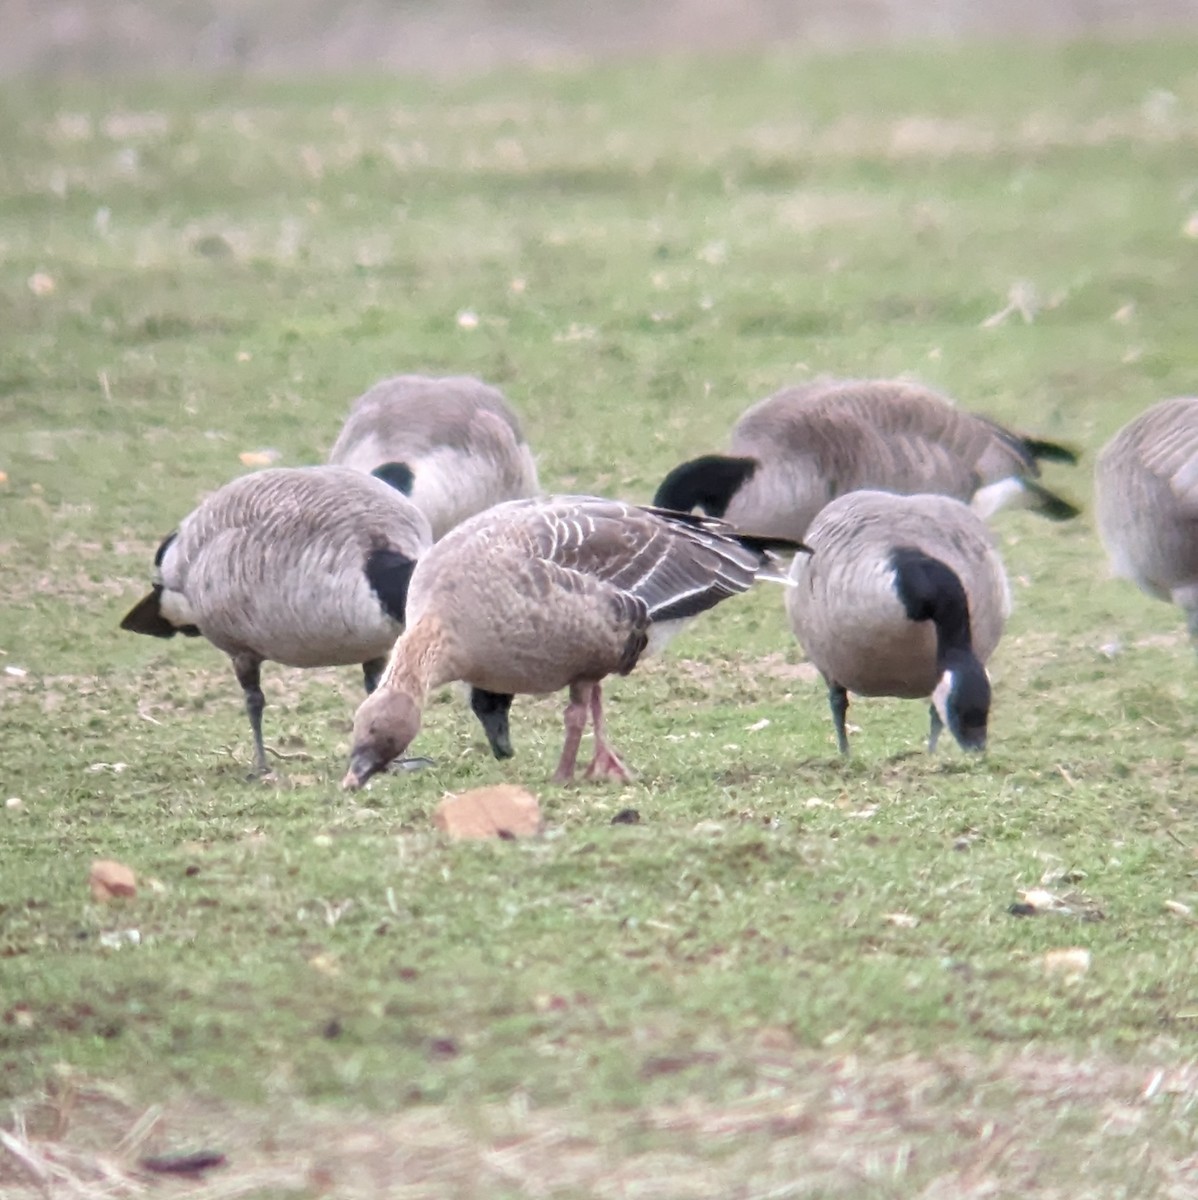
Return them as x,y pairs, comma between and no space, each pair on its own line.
941,694
176,609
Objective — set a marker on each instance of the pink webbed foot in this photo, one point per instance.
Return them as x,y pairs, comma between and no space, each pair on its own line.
607,765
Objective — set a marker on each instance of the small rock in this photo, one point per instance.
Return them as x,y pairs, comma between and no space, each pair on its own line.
504,811
41,284
110,879
114,939
14,802
627,816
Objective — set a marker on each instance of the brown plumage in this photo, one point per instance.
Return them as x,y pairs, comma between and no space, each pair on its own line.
902,596
537,595
458,439
1146,502
801,448
305,566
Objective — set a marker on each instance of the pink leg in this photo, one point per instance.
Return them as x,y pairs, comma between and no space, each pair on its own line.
575,720
606,764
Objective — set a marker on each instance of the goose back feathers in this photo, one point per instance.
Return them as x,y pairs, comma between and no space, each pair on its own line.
457,438
899,593
304,566
537,595
1146,501
797,450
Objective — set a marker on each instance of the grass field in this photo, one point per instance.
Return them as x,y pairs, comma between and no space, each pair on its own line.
796,976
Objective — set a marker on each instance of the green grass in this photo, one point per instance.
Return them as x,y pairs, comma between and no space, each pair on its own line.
648,249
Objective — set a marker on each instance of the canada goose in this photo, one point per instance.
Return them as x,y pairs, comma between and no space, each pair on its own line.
1146,497
902,596
536,595
456,438
806,445
305,566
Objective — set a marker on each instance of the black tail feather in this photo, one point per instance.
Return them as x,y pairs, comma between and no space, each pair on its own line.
1049,451
1049,504
779,545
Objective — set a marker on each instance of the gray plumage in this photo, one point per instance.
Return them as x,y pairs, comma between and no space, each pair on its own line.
537,595
797,450
459,438
1146,501
902,596
303,566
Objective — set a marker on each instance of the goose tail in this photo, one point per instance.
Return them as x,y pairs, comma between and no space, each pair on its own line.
774,568
1020,492
1049,504
1049,451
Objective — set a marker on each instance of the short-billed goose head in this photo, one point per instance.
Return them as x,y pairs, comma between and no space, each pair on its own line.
962,701
384,726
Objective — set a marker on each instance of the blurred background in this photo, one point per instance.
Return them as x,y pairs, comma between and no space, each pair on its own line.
64,37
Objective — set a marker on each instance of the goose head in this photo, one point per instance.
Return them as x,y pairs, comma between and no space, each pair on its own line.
962,701
384,727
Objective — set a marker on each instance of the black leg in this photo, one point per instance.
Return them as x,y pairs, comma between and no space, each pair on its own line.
491,708
372,672
838,702
935,729
249,675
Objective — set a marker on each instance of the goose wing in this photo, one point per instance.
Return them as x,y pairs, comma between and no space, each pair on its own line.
677,565
1171,453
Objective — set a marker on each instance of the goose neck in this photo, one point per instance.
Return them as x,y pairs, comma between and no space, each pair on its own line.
419,660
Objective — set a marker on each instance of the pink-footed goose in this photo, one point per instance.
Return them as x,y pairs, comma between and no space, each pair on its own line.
537,595
1146,501
452,443
902,596
795,451
305,566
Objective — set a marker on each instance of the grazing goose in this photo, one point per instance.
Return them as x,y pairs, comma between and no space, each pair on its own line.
536,595
457,442
902,596
806,445
1146,496
305,566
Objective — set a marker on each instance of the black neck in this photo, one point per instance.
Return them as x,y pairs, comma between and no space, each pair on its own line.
708,483
932,591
